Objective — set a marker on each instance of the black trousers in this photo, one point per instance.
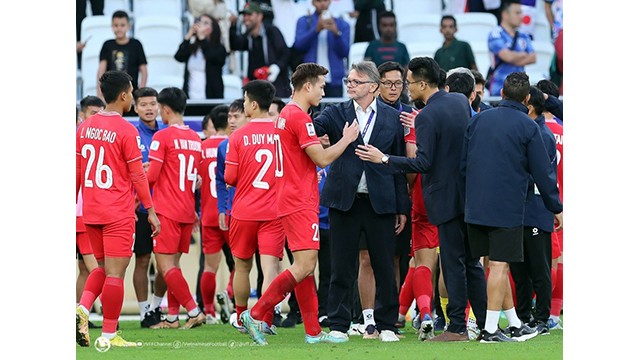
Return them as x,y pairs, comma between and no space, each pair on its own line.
345,230
463,275
534,274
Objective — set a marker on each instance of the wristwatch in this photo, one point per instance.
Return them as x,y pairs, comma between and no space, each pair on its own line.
385,159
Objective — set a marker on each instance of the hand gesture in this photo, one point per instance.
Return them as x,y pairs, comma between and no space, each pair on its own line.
330,25
351,131
191,32
369,153
154,222
408,119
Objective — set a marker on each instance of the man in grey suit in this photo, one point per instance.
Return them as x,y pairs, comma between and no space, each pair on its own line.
440,130
364,198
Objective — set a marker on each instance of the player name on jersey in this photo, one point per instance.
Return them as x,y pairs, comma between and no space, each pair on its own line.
257,139
211,153
558,138
185,144
98,134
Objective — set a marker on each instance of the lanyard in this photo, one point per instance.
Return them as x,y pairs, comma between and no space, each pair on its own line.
366,126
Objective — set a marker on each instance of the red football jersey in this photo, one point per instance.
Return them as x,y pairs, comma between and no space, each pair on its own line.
179,149
556,129
106,143
252,148
417,203
297,180
409,134
207,170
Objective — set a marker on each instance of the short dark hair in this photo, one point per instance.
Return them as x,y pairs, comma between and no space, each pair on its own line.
307,72
460,82
516,86
144,92
478,77
113,83
260,91
91,100
548,87
427,69
449,17
536,100
388,66
237,105
173,97
218,116
120,14
387,13
278,101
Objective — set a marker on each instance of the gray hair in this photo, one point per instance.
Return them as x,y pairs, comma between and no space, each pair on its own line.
369,69
463,70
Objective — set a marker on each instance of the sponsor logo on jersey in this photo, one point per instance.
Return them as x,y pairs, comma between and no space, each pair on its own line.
281,122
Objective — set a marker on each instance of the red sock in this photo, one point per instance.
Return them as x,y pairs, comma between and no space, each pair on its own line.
230,285
239,310
513,290
423,289
92,287
112,297
276,292
554,276
268,318
208,290
406,292
178,285
556,295
466,311
173,305
308,300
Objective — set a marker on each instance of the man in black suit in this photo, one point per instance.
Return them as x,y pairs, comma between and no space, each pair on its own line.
364,198
440,130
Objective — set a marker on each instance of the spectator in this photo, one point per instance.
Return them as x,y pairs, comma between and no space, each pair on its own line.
219,11
268,52
553,12
511,49
123,53
388,48
324,40
502,150
367,14
204,55
97,8
453,53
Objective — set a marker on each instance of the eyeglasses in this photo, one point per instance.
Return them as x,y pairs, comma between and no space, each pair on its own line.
355,82
413,82
389,84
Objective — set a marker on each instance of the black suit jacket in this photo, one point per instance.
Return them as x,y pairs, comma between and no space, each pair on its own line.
388,191
440,131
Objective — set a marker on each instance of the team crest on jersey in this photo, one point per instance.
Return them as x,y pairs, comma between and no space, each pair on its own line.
310,129
281,122
407,130
155,144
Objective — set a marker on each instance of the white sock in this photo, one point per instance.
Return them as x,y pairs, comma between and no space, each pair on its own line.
172,318
84,310
143,306
194,312
554,318
367,314
511,315
491,324
155,303
109,335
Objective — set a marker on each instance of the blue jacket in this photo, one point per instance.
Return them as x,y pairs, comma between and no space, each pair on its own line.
388,192
146,134
307,41
503,148
225,196
440,128
535,213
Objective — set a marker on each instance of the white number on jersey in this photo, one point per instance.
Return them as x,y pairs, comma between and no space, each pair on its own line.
316,232
212,176
258,183
279,156
101,170
188,171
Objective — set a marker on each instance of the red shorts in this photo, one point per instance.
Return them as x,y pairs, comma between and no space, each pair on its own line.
112,240
302,229
247,236
556,244
83,243
174,237
213,238
424,234
80,225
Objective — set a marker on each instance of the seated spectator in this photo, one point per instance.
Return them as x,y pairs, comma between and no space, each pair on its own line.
453,53
204,55
388,48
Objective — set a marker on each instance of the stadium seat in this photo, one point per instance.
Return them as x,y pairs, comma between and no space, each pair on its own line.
111,6
232,86
422,48
482,55
356,52
160,37
408,8
89,71
542,30
95,31
475,26
544,54
158,8
419,26
161,81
